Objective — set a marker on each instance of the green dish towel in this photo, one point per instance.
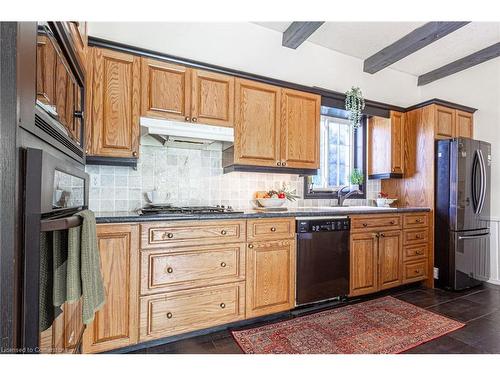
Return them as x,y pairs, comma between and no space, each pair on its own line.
92,288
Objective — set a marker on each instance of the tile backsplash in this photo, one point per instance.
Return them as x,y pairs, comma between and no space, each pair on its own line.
190,177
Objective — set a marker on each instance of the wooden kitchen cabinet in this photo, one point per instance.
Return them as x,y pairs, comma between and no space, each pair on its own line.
165,90
363,264
386,142
113,104
46,70
257,124
116,324
212,98
444,122
464,124
390,259
300,129
270,277
78,32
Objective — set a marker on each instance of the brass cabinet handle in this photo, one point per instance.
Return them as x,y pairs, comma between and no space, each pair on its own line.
222,305
223,232
134,153
223,264
187,118
169,315
170,270
417,271
273,229
392,222
382,235
87,151
377,235
170,235
418,236
419,252
278,163
283,163
167,235
418,220
194,119
365,225
250,246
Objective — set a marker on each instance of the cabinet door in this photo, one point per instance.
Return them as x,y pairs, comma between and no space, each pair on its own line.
397,152
445,122
270,283
78,32
116,324
390,259
166,90
213,98
115,104
464,124
363,264
45,70
379,143
300,129
257,123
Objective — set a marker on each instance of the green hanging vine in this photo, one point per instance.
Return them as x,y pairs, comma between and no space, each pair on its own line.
354,103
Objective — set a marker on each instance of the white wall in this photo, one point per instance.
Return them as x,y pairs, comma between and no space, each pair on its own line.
255,49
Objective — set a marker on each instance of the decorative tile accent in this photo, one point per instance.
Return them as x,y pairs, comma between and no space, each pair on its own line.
191,177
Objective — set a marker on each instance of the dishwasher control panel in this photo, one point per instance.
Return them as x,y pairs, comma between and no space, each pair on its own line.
323,225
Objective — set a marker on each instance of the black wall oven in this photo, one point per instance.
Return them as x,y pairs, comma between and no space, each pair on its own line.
59,91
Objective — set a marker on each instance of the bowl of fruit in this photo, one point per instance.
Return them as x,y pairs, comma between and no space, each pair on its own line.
275,198
383,200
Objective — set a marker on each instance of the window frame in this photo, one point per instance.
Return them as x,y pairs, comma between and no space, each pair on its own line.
359,161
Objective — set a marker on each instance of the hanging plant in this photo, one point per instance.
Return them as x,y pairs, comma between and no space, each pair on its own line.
354,103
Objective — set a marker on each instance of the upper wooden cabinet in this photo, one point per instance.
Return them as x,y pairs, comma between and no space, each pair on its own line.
300,129
116,324
166,90
275,127
386,146
257,124
212,98
78,32
175,92
113,104
464,124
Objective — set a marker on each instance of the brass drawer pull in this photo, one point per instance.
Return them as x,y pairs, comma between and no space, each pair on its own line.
382,235
223,232
167,235
418,236
278,163
170,270
365,224
169,315
250,246
283,163
222,305
195,119
392,222
187,118
273,229
418,220
134,154
223,264
417,271
420,252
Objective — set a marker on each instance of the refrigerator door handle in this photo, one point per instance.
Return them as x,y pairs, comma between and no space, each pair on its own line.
482,195
476,201
474,236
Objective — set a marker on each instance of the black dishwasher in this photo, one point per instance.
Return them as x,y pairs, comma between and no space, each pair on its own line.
322,259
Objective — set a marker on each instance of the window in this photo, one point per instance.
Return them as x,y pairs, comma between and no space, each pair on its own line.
342,149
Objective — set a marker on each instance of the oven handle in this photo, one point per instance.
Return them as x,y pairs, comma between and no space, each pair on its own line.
63,223
473,237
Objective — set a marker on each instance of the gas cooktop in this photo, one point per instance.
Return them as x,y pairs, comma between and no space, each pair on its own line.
153,209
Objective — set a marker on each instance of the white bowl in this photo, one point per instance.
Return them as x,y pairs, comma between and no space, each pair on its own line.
385,202
271,202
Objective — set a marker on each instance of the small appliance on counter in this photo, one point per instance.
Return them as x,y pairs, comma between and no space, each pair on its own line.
169,210
462,201
322,259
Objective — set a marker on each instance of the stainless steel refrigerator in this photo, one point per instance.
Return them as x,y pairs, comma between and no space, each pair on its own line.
462,212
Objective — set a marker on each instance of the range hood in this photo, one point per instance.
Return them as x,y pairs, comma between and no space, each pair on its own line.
184,134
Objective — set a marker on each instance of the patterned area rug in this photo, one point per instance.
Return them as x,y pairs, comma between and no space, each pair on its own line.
384,325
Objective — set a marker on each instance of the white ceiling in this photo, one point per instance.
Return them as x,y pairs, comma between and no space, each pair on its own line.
363,39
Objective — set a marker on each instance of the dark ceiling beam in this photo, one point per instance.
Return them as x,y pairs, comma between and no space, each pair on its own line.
298,32
466,62
410,43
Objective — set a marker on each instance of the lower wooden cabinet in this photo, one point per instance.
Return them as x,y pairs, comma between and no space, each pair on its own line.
270,277
389,259
363,264
116,324
188,310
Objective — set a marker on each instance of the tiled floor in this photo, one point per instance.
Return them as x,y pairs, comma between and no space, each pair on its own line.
479,308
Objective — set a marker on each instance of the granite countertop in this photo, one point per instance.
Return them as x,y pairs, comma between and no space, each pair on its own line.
130,217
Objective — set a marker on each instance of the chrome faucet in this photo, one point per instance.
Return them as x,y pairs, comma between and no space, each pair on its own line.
341,198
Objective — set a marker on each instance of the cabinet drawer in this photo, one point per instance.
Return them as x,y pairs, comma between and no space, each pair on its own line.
369,222
189,233
415,252
270,229
167,270
415,271
415,220
177,312
415,236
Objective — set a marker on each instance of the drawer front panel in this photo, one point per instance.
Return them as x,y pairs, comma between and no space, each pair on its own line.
191,233
415,252
177,312
415,271
415,236
270,229
369,222
164,270
415,220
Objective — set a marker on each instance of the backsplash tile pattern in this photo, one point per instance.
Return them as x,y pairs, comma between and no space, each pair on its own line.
190,177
